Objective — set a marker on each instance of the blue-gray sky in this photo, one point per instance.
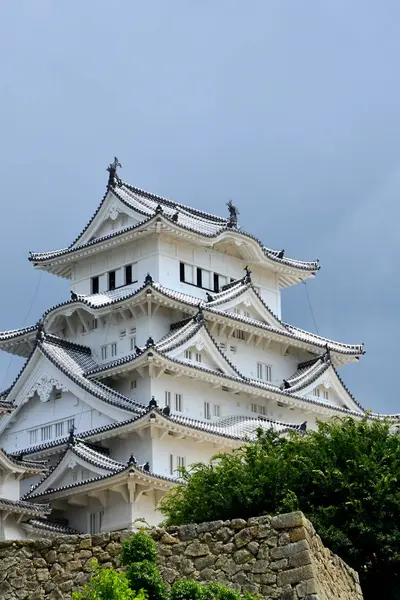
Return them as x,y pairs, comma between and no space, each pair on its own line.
290,108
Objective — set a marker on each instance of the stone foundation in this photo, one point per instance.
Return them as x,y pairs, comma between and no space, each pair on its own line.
277,557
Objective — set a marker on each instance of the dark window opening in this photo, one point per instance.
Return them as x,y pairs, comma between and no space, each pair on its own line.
111,280
182,271
198,282
95,285
216,282
128,274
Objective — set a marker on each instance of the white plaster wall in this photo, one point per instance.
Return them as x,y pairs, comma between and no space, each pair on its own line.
9,486
190,449
10,529
173,252
142,254
122,448
36,414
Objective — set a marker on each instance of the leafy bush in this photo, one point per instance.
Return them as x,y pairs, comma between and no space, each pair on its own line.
344,477
188,589
139,547
108,584
145,575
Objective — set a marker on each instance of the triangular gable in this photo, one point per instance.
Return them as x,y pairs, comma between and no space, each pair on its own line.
41,376
78,463
243,301
111,216
192,344
328,388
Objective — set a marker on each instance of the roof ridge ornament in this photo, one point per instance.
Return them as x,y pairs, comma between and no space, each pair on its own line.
175,217
200,315
159,209
281,254
71,437
132,461
233,215
153,403
247,277
40,331
148,280
150,342
113,177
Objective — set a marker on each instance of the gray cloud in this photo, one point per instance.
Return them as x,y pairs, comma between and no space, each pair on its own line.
289,108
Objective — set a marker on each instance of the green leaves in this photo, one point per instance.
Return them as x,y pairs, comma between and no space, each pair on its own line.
344,477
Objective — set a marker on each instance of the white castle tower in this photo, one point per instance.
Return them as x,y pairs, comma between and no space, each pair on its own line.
170,349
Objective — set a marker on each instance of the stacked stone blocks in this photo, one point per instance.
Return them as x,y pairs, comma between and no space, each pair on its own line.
279,558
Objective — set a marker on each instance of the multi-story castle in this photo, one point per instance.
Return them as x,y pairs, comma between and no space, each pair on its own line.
170,349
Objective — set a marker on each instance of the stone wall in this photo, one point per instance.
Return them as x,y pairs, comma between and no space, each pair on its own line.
277,557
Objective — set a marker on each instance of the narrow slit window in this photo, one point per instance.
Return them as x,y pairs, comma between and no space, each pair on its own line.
95,285
104,353
207,410
178,403
168,399
114,349
111,280
128,274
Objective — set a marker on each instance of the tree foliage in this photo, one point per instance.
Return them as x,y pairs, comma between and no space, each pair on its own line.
344,476
108,584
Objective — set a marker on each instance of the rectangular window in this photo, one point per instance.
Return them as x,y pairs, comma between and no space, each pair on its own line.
207,410
168,399
58,395
180,461
261,410
182,271
178,403
84,474
95,522
264,372
132,335
189,277
128,274
198,357
216,283
216,410
95,285
111,280
326,395
246,314
133,384
104,353
93,324
171,464
206,280
33,436
114,349
59,429
188,354
316,392
254,408
238,334
199,280
45,433
70,424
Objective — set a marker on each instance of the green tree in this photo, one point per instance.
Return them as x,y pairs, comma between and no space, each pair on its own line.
345,477
108,584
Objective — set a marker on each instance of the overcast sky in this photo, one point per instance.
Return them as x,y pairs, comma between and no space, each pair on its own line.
292,109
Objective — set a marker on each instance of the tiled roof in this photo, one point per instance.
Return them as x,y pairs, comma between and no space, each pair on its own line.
180,216
93,457
16,333
87,454
21,506
51,526
74,360
234,427
128,469
20,461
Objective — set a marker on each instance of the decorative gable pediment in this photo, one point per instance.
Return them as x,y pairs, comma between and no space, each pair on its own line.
200,351
245,303
329,388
